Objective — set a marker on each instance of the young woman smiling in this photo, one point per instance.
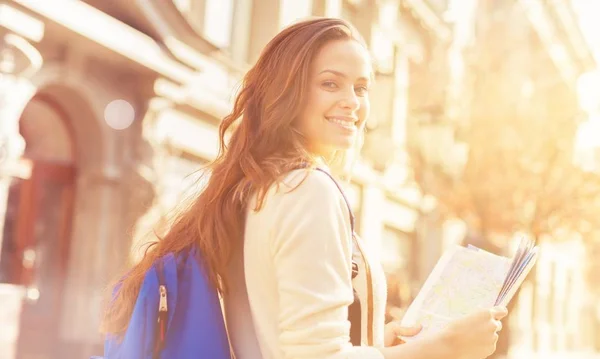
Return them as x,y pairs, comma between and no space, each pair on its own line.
274,229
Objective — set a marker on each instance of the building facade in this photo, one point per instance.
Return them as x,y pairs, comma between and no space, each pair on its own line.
109,110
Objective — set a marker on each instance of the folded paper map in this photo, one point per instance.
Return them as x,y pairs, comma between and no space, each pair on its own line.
466,279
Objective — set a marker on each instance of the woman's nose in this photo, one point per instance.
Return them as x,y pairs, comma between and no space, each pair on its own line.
350,100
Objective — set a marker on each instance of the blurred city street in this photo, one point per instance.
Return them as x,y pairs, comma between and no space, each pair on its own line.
484,128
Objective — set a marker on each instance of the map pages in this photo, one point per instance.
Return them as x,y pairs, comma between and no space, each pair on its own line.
466,279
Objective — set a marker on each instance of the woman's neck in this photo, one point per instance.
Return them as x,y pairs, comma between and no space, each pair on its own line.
322,163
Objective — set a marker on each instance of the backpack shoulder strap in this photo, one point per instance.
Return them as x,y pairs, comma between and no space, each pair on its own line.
354,311
343,195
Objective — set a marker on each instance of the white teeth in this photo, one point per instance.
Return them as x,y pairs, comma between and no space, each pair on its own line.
343,123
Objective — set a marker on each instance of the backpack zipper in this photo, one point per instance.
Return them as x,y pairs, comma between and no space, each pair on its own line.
162,302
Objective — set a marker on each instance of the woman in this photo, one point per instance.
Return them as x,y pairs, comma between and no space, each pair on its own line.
276,233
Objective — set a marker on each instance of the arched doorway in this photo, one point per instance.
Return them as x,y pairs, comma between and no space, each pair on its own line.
38,226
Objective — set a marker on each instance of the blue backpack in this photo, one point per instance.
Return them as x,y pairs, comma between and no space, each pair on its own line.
177,315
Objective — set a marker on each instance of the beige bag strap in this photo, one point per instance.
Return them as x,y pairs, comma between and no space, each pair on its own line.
370,309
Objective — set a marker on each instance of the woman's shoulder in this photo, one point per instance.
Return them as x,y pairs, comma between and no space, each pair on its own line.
297,190
304,186
308,182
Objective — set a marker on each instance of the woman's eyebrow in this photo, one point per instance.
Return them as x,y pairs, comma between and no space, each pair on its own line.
341,74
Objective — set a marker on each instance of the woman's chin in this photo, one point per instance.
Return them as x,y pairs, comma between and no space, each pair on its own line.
344,144
337,145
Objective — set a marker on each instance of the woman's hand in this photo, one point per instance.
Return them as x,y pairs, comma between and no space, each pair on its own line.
471,337
393,330
474,336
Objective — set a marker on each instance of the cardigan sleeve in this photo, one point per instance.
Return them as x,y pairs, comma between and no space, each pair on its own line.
312,249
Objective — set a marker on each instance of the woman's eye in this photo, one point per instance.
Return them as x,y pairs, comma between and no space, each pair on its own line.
361,90
330,85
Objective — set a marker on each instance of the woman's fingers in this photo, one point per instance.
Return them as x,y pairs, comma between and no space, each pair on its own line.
407,331
499,312
498,325
393,332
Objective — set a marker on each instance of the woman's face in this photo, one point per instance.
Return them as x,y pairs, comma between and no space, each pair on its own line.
337,103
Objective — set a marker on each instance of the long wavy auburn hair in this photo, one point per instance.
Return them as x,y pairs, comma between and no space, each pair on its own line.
263,146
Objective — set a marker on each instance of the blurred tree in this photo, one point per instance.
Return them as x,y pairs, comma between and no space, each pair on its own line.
517,116
519,174
518,121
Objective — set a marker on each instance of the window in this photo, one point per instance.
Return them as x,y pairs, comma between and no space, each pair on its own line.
218,22
294,10
212,18
227,24
193,11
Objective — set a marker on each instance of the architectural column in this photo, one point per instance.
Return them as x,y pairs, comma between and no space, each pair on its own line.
242,18
112,194
95,258
19,60
261,31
